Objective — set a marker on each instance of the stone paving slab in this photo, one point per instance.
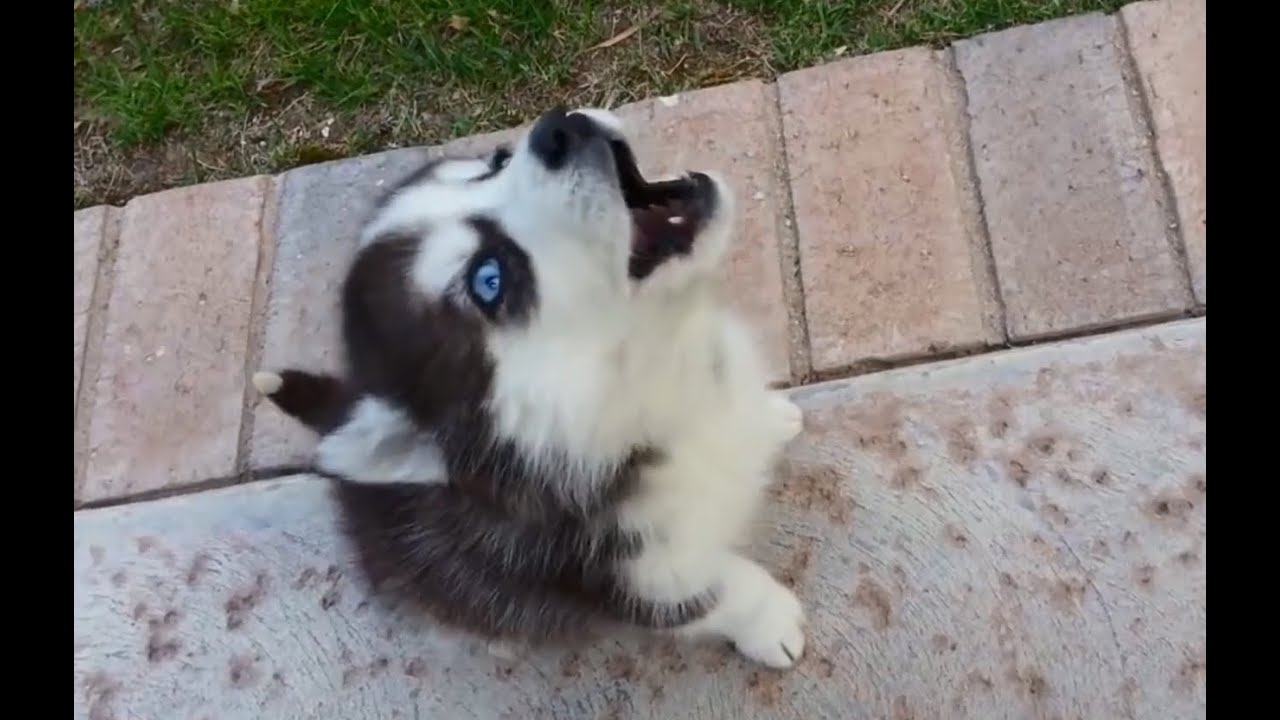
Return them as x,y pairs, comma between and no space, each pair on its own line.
890,238
1079,226
1012,535
732,130
170,386
1168,40
320,211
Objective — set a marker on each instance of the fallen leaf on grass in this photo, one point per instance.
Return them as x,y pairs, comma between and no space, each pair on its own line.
457,22
622,35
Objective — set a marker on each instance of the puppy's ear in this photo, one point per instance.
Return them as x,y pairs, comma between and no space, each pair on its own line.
321,402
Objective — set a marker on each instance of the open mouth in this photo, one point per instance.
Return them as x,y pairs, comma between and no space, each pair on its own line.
666,216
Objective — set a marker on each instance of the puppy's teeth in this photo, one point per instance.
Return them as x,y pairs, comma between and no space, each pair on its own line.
676,220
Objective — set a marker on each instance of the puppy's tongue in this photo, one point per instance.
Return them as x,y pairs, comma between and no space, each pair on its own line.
661,227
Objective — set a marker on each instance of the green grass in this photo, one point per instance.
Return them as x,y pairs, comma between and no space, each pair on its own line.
151,67
803,32
176,91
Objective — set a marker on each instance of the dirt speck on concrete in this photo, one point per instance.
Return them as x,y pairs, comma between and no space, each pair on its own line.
766,688
415,668
1066,594
100,691
1145,576
1170,507
793,573
1055,515
815,488
239,606
199,566
621,667
962,446
875,600
243,672
1190,673
905,478
1019,473
1000,418
571,665
956,536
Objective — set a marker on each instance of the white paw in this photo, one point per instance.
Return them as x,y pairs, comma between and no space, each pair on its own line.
789,416
503,650
774,633
267,383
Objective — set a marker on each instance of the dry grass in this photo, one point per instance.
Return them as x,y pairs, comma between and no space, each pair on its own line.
175,92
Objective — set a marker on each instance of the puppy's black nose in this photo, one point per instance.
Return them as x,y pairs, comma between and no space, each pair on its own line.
557,135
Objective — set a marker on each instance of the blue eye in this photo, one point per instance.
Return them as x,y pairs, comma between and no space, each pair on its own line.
486,281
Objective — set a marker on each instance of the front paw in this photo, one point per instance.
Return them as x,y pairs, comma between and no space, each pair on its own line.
774,635
788,416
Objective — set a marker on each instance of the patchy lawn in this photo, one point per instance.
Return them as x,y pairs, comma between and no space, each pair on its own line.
174,92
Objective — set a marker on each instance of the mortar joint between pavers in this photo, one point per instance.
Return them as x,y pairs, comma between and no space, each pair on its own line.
872,366
864,367
964,117
255,336
1104,327
800,353
1144,119
91,359
201,486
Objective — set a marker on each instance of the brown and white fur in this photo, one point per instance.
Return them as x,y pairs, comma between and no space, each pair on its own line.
584,441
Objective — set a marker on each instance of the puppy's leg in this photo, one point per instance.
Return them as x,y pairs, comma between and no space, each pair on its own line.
760,616
320,402
690,513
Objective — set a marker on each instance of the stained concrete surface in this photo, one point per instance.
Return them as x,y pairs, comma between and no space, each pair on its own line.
1014,535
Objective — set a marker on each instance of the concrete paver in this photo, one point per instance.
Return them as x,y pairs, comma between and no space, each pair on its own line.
1011,535
730,129
889,229
90,229
1168,41
170,385
321,208
1074,205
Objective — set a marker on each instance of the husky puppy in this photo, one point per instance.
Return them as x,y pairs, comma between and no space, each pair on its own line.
550,418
